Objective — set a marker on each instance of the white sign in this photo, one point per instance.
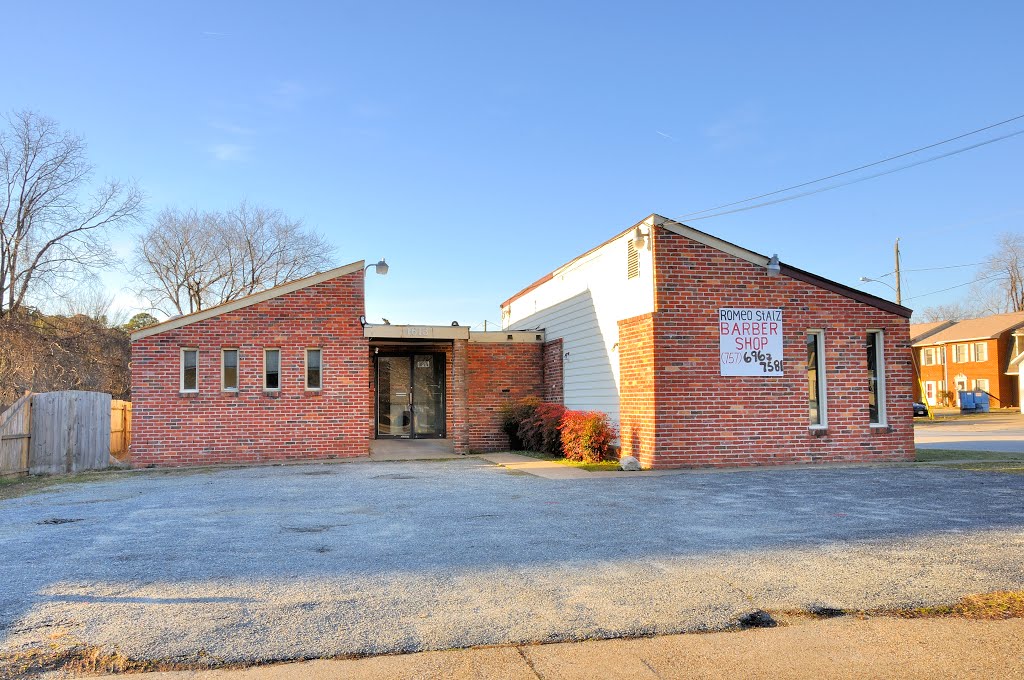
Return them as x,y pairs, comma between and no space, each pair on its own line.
750,341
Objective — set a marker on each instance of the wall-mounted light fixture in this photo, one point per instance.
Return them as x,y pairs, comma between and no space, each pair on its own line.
380,268
640,239
774,268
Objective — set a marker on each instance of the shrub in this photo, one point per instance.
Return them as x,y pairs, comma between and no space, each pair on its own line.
539,432
586,436
512,414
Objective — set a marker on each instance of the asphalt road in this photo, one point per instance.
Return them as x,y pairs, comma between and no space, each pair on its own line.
1002,432
366,558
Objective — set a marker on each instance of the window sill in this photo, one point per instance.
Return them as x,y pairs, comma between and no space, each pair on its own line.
229,393
880,428
818,430
188,393
273,394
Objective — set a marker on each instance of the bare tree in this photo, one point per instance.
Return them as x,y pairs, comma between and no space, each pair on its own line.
52,227
188,261
999,285
954,311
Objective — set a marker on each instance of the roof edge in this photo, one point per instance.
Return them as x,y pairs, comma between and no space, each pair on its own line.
647,221
656,220
247,301
786,270
941,326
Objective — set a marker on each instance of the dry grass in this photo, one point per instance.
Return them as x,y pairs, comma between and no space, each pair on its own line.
994,606
80,660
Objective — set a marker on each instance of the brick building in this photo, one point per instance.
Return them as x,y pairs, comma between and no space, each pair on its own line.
294,372
974,354
704,353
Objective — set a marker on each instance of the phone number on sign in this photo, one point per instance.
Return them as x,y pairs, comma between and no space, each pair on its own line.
764,359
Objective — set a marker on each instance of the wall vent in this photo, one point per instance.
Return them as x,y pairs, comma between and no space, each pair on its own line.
632,260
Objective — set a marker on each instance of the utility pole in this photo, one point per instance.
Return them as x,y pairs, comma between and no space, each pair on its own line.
899,300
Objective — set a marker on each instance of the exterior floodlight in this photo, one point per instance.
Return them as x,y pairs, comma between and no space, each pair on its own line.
639,239
380,268
773,269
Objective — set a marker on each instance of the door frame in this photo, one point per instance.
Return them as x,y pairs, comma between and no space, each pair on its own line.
411,355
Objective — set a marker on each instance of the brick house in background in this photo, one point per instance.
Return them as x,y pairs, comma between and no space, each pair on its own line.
704,354
974,354
920,331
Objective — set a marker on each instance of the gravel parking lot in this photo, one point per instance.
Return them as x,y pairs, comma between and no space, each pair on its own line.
314,561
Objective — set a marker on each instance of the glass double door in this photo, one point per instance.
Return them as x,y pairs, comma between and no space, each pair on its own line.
410,396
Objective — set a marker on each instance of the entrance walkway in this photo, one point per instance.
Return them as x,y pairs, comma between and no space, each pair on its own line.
412,449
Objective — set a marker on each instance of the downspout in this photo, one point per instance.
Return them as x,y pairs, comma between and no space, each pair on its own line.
945,369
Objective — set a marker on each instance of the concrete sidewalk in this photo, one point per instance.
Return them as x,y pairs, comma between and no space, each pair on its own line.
847,647
536,467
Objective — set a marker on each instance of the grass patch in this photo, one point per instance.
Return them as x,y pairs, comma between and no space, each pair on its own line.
603,466
932,455
995,606
1011,468
15,487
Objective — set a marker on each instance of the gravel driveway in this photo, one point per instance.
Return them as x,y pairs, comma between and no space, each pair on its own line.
365,558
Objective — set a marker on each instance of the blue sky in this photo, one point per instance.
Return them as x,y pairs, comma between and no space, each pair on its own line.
477,146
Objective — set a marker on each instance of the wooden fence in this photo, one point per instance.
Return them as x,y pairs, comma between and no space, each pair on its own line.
120,428
63,432
15,428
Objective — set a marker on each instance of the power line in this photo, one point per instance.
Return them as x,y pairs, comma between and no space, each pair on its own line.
952,266
847,172
959,285
855,181
932,269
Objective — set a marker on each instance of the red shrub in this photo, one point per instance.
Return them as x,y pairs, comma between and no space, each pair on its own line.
539,431
586,435
513,413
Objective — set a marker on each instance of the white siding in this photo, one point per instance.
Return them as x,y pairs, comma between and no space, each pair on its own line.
582,304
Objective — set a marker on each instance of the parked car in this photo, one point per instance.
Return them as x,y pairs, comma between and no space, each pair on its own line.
920,409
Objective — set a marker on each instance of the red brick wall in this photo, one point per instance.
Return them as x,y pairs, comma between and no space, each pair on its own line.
459,397
636,388
499,372
554,379
169,428
705,419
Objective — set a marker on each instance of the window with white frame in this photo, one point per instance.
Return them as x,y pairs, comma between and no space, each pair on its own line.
229,370
816,393
940,354
271,369
876,378
189,370
959,354
979,351
981,384
313,369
